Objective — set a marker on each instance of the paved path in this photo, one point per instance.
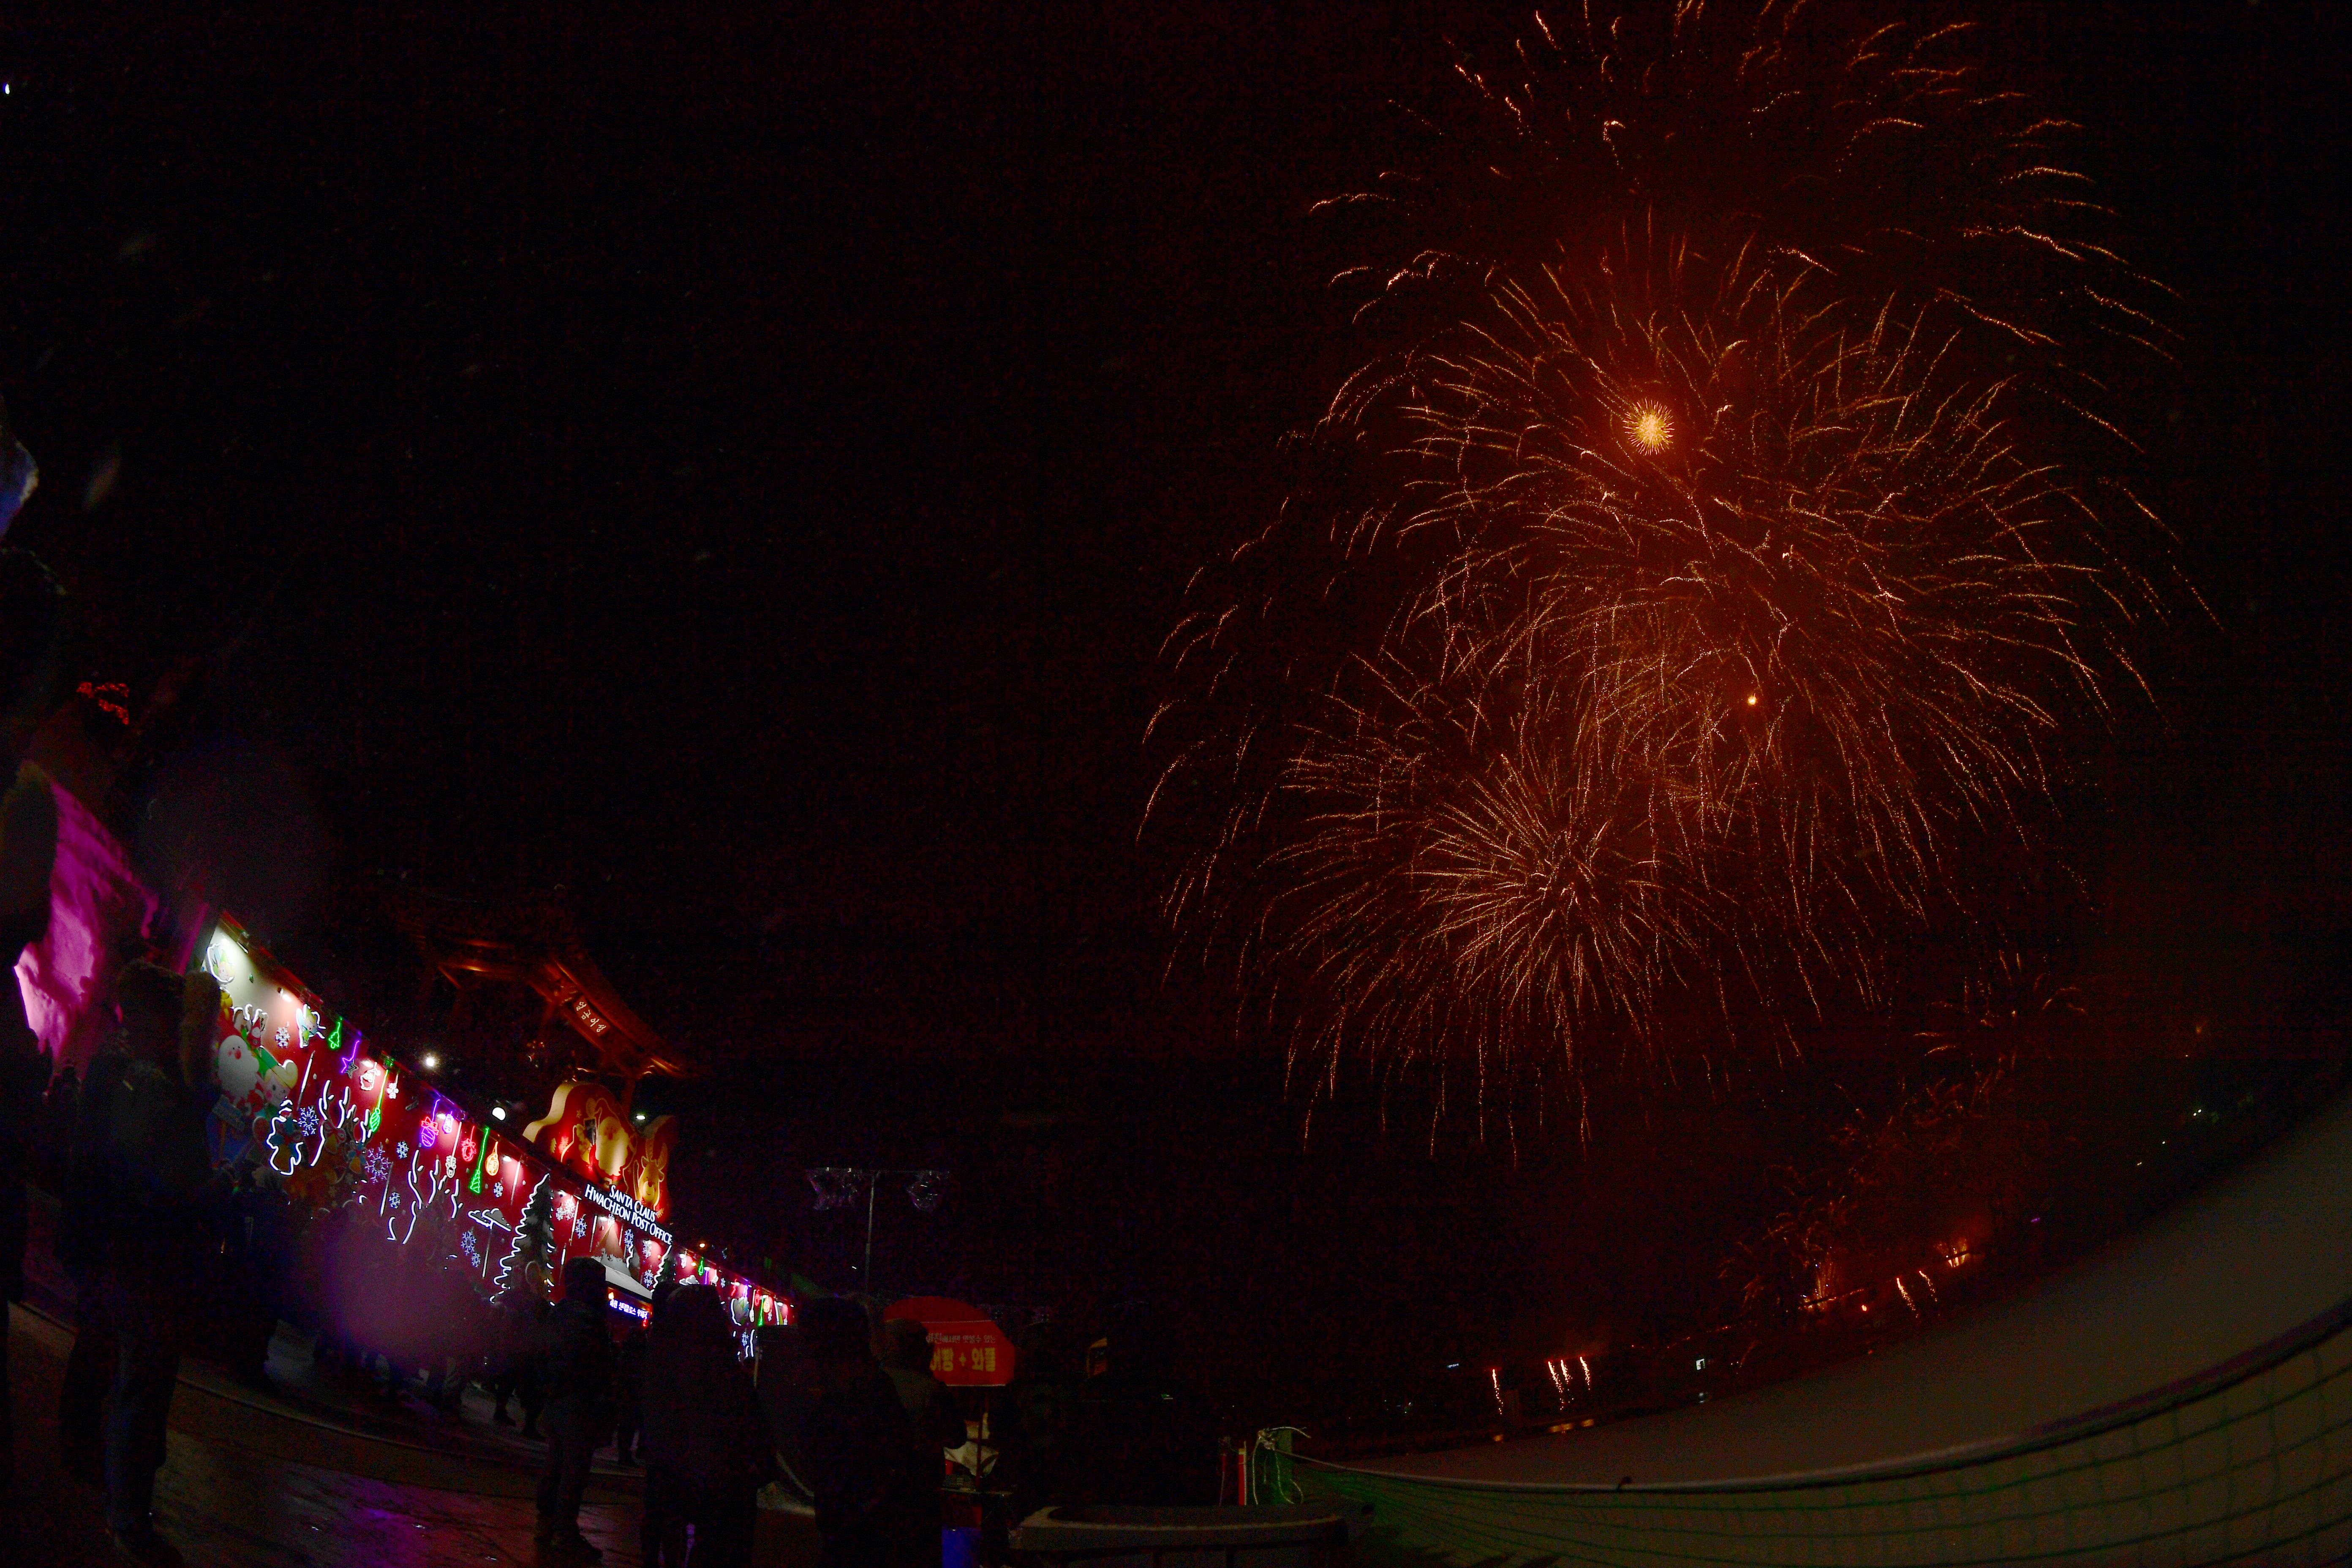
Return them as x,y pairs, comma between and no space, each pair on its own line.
256,1482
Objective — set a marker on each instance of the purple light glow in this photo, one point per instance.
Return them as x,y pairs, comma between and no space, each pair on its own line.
96,902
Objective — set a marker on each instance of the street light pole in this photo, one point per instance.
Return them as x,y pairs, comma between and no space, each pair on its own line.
836,1187
865,1269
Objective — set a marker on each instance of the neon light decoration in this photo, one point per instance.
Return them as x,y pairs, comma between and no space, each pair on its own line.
333,1125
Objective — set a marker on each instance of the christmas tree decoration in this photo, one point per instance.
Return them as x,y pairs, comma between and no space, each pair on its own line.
529,1250
331,1126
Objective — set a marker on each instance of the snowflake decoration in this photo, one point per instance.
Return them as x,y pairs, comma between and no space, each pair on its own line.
403,1150
280,1036
284,1142
378,1167
307,1119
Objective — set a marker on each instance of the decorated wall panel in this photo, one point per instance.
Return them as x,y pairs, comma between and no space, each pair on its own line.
343,1127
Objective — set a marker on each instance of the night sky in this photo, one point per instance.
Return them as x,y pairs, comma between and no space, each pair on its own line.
736,465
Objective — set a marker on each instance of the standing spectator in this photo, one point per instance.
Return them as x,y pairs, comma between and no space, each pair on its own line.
781,1379
530,1368
28,841
907,1362
57,1126
22,1067
151,1166
1146,1436
34,623
243,1290
579,1411
848,1437
706,1450
510,1337
1041,1423
84,1232
630,1385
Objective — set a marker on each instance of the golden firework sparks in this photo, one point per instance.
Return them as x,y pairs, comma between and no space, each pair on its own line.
1649,428
1531,800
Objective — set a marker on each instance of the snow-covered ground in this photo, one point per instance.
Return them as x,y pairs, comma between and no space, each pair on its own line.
2265,1250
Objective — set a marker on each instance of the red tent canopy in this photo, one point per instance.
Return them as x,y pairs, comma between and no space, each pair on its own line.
967,1351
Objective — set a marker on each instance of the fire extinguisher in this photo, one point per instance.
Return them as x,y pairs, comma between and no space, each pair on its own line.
1232,1472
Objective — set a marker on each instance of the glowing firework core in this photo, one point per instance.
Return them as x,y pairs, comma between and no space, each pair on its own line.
1649,428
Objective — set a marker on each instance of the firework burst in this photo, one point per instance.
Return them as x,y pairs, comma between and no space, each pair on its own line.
1665,618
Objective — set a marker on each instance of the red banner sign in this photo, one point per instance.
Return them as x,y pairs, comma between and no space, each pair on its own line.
967,1349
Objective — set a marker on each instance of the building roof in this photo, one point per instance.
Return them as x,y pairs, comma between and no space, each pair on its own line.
533,942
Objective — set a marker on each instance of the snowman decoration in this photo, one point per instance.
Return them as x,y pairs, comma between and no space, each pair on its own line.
252,1081
238,1071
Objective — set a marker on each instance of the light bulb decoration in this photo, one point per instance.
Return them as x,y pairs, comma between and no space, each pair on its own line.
330,1126
925,1191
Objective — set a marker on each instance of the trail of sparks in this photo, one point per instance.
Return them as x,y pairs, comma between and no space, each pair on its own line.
1718,599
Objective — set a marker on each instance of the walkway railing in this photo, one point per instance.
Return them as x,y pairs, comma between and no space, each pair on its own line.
2247,1463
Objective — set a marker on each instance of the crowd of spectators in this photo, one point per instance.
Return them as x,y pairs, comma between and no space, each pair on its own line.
167,1250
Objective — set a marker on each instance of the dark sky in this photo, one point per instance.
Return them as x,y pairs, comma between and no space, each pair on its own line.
737,464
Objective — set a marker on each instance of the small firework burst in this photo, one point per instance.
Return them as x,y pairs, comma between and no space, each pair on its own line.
1649,428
